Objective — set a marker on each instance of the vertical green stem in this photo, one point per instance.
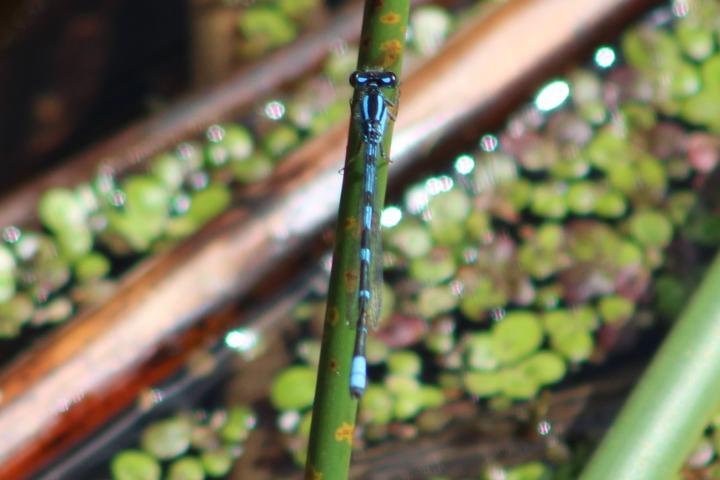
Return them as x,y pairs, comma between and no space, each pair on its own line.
335,410
672,404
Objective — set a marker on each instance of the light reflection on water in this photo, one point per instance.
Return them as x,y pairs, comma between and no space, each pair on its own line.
604,57
464,164
552,95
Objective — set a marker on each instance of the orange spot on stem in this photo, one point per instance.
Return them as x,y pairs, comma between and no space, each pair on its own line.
391,51
390,18
345,433
312,474
333,316
351,279
352,224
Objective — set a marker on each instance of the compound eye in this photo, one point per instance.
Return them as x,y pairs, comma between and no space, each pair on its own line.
389,79
358,78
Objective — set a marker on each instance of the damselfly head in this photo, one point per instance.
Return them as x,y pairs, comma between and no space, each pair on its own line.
379,79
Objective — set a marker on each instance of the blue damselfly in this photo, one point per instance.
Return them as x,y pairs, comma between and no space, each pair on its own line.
371,112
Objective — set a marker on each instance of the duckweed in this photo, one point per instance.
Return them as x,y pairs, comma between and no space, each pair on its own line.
238,424
582,198
611,204
402,385
549,201
696,42
264,28
479,352
515,383
146,196
576,345
7,278
651,228
216,463
168,169
293,388
135,465
436,300
431,397
615,309
407,405
280,140
529,471
483,384
186,468
168,438
14,313
516,336
208,203
405,363
479,299
186,447
377,405
254,168
59,209
436,267
544,367
91,266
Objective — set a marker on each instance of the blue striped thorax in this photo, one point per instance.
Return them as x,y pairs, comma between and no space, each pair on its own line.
373,110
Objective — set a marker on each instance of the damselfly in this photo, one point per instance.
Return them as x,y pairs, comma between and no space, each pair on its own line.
371,112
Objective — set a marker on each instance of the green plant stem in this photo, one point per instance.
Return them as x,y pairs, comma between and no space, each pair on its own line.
335,410
672,404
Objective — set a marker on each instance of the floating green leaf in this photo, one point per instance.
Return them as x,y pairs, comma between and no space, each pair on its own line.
168,438
615,309
238,424
405,362
59,208
186,468
377,407
293,388
217,463
146,196
91,267
544,367
517,384
530,471
135,465
516,336
479,354
651,228
436,300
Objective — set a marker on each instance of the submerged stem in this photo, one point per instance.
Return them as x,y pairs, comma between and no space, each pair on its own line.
670,407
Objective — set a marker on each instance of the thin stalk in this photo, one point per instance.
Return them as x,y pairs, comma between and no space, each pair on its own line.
335,410
672,404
